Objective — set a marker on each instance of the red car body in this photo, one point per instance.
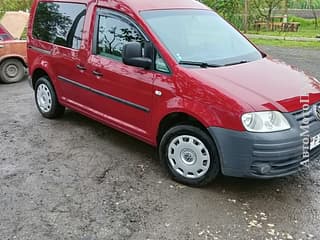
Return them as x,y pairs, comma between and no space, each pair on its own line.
4,34
145,103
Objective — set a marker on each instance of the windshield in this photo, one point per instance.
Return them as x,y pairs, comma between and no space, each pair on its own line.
200,37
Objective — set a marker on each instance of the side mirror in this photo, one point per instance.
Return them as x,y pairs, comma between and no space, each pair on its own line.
132,55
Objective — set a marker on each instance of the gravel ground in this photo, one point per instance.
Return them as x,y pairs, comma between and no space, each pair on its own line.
74,178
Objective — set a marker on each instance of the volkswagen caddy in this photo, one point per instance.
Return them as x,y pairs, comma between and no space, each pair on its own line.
174,74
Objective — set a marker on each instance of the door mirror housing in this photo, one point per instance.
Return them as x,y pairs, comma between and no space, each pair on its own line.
132,55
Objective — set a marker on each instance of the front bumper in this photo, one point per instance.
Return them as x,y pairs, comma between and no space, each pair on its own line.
266,155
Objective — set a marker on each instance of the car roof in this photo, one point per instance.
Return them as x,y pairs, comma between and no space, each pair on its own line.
143,5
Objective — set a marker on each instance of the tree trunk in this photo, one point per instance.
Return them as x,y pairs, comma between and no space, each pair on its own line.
246,14
286,3
315,18
269,20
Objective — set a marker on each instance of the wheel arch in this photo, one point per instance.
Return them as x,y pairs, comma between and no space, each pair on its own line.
178,118
19,58
37,73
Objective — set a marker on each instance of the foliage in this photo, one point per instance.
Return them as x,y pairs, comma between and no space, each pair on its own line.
304,23
261,10
230,10
304,4
225,8
14,5
268,5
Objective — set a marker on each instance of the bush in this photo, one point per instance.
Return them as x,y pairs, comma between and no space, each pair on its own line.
303,22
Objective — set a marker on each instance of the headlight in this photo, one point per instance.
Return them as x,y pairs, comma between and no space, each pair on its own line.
269,121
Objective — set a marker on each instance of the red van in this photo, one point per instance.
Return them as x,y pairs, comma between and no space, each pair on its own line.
174,74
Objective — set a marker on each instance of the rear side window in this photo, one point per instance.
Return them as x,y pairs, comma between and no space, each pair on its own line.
4,37
59,23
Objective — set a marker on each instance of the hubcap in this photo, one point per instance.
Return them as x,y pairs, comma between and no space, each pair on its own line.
188,156
44,98
12,71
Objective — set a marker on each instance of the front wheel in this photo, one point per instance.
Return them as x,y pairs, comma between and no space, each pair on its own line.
190,155
46,99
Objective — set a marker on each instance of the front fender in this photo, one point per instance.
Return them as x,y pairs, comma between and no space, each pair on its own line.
23,59
201,112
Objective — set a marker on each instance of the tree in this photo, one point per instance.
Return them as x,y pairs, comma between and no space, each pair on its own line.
268,5
226,8
231,10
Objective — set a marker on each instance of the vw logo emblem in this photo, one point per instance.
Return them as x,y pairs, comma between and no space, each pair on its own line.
316,111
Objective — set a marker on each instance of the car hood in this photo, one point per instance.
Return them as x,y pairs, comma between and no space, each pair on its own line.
265,84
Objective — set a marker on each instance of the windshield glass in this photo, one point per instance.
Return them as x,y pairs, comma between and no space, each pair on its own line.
200,36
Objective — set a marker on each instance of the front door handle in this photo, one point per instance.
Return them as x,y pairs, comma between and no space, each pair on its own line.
80,67
98,74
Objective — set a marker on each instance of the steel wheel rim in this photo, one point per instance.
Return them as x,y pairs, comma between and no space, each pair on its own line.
189,157
12,71
44,98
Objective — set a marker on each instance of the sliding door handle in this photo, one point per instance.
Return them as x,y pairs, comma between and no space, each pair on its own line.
98,74
80,67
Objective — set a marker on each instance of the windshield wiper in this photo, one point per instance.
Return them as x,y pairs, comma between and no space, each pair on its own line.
236,63
200,64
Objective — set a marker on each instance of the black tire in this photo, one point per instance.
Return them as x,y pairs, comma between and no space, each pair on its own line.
12,71
205,143
46,99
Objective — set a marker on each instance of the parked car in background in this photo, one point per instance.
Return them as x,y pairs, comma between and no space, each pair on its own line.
4,34
13,60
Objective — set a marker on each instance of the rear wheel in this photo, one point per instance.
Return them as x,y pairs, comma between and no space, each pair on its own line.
46,99
11,71
190,155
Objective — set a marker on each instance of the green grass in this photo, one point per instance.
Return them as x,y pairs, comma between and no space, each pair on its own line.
287,44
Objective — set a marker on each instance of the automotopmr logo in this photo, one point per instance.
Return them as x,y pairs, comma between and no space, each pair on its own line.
305,128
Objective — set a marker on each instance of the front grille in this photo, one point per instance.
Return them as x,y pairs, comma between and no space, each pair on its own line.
304,117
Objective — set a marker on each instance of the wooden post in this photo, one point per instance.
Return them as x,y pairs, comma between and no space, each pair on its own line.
246,15
286,3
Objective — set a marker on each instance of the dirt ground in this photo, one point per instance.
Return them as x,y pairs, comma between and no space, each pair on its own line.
75,179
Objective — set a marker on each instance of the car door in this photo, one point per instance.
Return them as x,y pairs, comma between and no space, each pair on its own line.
57,34
123,94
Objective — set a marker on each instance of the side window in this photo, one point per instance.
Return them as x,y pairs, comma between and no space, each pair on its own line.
60,23
113,34
160,64
4,37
